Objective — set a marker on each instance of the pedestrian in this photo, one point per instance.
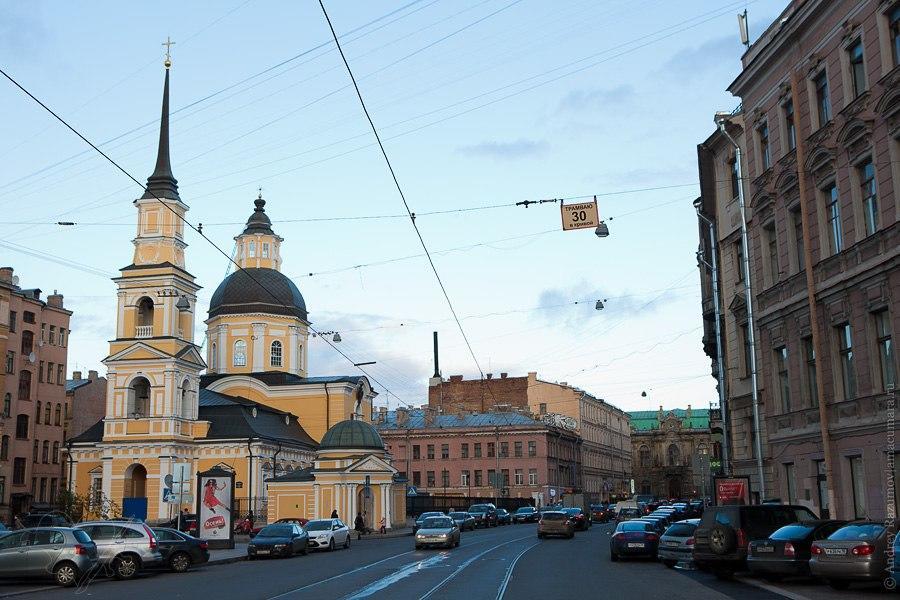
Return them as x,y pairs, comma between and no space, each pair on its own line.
334,514
359,525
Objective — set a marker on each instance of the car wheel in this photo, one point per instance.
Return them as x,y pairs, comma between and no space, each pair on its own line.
669,563
125,567
331,544
305,550
838,584
65,574
613,557
722,539
347,543
180,562
288,552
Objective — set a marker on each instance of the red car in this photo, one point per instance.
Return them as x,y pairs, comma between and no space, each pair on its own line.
292,520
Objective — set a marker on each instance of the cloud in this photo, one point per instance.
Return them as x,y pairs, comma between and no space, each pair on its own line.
595,99
557,304
521,148
721,53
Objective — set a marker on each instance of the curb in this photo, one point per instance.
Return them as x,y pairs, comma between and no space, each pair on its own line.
222,561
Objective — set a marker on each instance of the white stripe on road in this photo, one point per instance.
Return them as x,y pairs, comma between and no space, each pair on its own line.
771,588
509,571
393,578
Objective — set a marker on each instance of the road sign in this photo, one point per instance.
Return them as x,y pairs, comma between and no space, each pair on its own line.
583,215
552,493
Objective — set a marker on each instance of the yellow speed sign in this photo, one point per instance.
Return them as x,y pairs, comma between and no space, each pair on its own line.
583,215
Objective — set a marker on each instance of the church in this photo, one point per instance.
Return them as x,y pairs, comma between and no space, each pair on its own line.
246,404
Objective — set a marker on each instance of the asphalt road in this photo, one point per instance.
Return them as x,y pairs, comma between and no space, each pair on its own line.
503,563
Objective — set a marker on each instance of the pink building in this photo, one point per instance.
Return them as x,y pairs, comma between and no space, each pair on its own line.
503,454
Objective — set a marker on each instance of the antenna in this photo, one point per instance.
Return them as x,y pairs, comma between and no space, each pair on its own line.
744,28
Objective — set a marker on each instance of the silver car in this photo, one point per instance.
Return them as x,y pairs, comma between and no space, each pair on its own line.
124,547
677,543
63,553
437,531
855,552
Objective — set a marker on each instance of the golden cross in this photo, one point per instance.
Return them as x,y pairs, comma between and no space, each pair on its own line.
168,44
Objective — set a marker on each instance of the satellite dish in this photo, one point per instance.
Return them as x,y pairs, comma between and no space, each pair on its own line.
15,280
32,357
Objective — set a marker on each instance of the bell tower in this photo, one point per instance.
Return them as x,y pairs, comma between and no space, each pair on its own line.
258,247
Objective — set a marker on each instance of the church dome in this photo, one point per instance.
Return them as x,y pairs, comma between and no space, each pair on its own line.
254,290
351,434
259,221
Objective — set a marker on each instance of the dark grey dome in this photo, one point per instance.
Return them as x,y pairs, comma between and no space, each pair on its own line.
351,434
257,291
259,221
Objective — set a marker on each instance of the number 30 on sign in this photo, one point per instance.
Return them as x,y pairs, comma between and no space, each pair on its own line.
580,216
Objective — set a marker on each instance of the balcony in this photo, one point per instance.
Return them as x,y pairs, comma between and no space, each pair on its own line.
144,331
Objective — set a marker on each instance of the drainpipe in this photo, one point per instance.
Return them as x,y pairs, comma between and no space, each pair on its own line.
805,213
327,408
250,476
69,456
721,121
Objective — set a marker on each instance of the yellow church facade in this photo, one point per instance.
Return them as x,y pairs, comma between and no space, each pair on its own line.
243,402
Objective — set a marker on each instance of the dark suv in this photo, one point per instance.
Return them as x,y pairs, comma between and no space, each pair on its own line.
725,532
485,515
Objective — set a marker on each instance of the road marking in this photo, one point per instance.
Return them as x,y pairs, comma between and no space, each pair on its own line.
509,571
393,578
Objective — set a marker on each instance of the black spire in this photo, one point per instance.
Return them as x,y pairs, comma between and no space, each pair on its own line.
162,184
259,221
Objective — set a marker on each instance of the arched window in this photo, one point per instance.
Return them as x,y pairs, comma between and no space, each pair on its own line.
57,418
4,448
275,358
22,427
34,451
139,398
55,453
213,356
252,252
47,409
144,318
645,456
240,353
186,411
300,356
37,413
45,452
674,455
27,342
7,404
24,385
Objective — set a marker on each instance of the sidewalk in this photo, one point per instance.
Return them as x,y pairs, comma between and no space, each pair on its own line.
218,557
391,533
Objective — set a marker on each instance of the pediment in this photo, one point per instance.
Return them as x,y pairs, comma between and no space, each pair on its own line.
371,464
138,351
738,304
191,354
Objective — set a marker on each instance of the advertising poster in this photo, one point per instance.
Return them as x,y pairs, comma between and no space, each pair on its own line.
732,490
215,489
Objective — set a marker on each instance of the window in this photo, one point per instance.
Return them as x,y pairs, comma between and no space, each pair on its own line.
41,372
35,450
894,23
445,451
464,479
28,317
543,408
520,477
464,451
10,361
739,260
275,354
417,478
735,180
240,353
57,416
823,102
7,405
49,372
790,485
19,471
213,356
491,450
478,480
417,454
53,486
797,223
12,321
25,385
517,449
772,251
47,409
857,68
745,338
52,338
252,252
429,479
812,390
477,450
532,449
504,449
37,413
492,478
858,483
532,476
790,132
674,455
45,452
43,332
884,341
430,454
845,346
62,336
645,456
833,212
505,474
4,448
55,453
139,398
2,490
784,381
60,374
445,478
265,250
762,136
27,343
869,194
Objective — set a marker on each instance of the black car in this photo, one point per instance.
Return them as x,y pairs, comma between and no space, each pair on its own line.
788,550
526,514
725,532
578,518
278,540
189,524
179,550
633,538
503,517
601,513
485,515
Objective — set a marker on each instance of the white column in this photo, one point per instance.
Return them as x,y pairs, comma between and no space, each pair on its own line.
167,327
120,318
259,330
385,490
222,351
167,405
292,350
317,499
107,478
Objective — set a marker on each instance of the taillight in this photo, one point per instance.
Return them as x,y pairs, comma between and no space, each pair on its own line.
789,549
652,537
619,536
689,542
863,550
203,545
79,549
151,536
741,538
817,550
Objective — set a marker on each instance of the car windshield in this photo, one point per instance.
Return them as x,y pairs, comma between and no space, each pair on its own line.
424,516
276,531
458,516
634,526
554,516
437,523
525,510
479,508
862,531
318,526
681,530
792,532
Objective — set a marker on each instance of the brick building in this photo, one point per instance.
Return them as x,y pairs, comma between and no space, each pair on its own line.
85,405
462,454
33,395
603,428
820,93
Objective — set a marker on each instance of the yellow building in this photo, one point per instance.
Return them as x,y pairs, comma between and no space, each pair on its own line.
253,412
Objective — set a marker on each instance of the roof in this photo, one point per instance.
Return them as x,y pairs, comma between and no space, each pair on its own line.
648,420
257,290
94,433
74,384
162,184
259,221
298,475
351,433
492,419
278,378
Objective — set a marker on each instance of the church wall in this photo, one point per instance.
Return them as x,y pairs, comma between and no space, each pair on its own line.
258,331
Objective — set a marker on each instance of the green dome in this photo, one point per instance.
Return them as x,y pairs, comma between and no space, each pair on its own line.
351,434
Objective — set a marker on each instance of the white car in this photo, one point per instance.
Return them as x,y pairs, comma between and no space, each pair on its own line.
328,534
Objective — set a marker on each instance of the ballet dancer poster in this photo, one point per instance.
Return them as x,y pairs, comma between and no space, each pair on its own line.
214,493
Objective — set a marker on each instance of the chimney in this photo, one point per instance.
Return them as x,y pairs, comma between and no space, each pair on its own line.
6,274
430,415
456,378
689,411
402,417
503,375
437,368
76,375
92,375
55,299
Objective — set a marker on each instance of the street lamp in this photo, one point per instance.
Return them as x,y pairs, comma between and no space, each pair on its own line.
335,339
602,230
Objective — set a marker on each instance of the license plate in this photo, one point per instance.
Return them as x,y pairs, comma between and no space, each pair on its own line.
262,551
762,549
836,551
635,544
671,543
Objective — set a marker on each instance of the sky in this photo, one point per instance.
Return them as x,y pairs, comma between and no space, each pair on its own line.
480,104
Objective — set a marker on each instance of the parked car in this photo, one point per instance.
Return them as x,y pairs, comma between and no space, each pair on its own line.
601,513
63,553
579,519
725,532
633,538
892,582
526,514
485,515
463,520
855,552
659,525
328,534
123,547
424,516
555,522
279,540
677,542
43,519
437,531
179,550
240,525
190,524
626,514
503,517
788,550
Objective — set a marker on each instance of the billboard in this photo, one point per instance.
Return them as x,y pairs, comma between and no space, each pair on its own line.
214,499
583,215
732,490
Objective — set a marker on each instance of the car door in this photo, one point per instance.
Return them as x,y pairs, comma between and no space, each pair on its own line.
43,551
167,542
342,532
104,537
13,548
